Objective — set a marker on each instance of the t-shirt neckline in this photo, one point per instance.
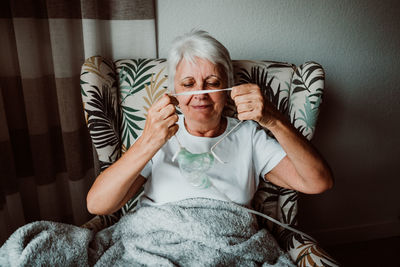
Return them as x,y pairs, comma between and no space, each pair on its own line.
185,131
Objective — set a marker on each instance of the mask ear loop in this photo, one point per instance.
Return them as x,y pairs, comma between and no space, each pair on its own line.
180,146
177,152
212,148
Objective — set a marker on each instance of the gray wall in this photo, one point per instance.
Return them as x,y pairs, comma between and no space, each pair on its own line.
358,44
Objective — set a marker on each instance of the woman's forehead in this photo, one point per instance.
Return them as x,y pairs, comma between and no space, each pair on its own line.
197,68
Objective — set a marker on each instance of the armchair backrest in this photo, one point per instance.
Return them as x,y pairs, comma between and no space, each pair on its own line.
117,95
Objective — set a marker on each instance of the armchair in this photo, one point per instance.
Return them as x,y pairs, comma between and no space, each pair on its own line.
117,95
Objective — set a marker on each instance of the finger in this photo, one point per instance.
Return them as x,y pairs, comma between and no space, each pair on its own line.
172,130
243,89
245,107
171,120
245,116
243,99
248,100
174,100
254,94
239,90
162,102
255,114
167,111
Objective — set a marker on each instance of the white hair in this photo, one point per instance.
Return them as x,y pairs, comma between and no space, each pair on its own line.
198,43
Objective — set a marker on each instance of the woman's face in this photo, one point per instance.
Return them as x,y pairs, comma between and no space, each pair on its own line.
201,75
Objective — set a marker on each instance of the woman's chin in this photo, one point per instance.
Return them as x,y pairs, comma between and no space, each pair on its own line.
201,111
200,115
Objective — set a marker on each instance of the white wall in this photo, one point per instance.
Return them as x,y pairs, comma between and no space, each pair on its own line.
358,43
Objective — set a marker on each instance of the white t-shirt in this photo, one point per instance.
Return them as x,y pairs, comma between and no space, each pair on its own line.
248,152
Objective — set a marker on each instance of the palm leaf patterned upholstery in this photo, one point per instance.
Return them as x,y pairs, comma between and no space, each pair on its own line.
117,95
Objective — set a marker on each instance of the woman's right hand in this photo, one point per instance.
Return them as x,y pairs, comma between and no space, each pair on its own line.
122,180
160,122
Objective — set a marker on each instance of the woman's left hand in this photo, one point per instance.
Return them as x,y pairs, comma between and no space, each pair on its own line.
303,169
251,105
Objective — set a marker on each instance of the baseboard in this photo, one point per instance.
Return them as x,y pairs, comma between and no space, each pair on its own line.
357,233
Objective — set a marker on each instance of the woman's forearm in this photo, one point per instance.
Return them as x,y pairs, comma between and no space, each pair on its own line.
118,183
112,187
311,167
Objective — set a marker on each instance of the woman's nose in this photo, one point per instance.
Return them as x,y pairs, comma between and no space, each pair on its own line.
200,87
200,96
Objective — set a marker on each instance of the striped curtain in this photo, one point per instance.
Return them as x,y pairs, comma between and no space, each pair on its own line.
46,157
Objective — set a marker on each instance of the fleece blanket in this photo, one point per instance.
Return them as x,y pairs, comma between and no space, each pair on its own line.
192,232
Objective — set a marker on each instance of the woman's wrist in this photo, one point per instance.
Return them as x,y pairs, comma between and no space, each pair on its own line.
273,126
145,146
274,122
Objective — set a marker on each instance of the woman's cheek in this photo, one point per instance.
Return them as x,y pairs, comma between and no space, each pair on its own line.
184,100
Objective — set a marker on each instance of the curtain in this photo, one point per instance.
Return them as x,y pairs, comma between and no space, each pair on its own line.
46,156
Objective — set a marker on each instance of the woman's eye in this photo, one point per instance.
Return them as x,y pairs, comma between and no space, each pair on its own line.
214,84
187,85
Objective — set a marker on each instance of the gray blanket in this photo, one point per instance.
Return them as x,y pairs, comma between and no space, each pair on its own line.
192,232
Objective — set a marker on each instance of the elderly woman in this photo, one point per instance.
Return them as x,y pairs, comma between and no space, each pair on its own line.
179,223
199,62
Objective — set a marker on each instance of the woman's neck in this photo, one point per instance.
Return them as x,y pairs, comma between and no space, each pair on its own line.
206,130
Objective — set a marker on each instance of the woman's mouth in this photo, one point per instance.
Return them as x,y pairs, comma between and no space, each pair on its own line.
200,107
